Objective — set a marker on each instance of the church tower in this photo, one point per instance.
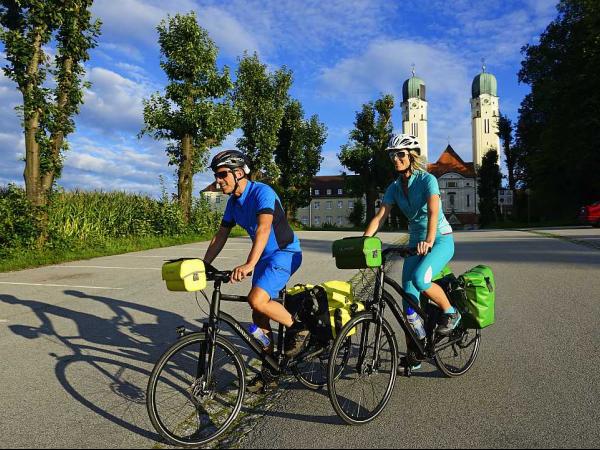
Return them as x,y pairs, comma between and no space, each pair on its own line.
485,114
414,110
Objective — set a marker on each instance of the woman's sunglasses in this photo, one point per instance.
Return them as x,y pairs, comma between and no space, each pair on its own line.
222,175
399,154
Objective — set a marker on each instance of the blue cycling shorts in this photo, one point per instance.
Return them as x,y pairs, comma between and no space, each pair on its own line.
271,274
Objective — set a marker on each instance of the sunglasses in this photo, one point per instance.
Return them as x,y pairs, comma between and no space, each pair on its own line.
222,175
399,154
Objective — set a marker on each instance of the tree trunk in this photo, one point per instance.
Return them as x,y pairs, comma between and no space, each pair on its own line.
371,199
184,185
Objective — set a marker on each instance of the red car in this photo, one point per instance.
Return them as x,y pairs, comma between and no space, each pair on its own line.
590,215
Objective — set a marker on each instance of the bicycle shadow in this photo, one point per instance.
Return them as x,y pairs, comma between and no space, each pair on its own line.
108,362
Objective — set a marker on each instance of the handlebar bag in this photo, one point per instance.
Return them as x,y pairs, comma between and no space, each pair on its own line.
357,252
187,275
478,301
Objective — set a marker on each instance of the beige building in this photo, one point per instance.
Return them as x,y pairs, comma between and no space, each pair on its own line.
330,203
215,197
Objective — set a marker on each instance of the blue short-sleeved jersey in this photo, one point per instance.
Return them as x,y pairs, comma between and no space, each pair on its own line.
259,198
421,186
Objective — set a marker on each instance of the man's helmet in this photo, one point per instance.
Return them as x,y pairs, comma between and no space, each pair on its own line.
231,159
404,142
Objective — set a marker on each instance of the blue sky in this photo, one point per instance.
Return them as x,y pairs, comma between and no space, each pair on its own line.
342,54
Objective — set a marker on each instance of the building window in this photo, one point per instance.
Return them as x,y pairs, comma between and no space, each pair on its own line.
328,191
340,192
317,220
340,204
451,198
304,220
217,199
329,219
350,204
468,200
317,192
340,220
316,205
329,204
451,184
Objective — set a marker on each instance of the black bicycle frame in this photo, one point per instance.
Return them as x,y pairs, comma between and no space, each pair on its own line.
212,327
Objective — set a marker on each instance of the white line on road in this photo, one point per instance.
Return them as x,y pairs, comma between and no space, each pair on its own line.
168,256
60,285
107,267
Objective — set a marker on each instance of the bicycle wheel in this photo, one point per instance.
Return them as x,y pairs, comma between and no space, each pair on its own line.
188,410
311,369
360,383
455,354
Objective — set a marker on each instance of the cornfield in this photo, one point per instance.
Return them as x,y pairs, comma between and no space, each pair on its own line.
78,218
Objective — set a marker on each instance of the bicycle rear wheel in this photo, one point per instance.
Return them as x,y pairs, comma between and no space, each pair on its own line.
311,368
361,382
190,410
456,353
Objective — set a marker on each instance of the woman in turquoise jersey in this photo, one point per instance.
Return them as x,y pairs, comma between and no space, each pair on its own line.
417,194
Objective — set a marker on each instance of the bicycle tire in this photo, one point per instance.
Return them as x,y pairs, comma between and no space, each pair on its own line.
456,354
199,418
359,366
311,371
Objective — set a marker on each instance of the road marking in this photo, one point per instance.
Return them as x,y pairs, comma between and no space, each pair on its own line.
166,257
3,321
107,267
60,285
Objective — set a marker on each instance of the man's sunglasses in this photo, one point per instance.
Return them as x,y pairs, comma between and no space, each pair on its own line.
399,154
222,175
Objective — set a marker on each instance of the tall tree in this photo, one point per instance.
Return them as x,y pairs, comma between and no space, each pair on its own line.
505,130
559,125
196,112
28,26
298,156
365,155
489,180
260,98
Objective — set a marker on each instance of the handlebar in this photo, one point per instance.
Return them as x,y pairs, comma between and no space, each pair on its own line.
213,274
405,252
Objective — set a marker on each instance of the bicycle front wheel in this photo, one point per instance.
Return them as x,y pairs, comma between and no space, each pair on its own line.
361,374
311,369
455,354
185,406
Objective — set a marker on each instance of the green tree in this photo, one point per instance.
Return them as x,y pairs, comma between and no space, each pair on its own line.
356,216
559,123
28,26
365,154
298,156
196,112
260,98
489,180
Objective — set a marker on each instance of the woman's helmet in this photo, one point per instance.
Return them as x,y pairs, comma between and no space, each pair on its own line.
231,159
404,142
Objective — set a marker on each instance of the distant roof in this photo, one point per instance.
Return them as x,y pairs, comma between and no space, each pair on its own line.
212,187
333,182
448,162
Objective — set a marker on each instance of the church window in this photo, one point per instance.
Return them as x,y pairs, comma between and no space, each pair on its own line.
452,184
468,200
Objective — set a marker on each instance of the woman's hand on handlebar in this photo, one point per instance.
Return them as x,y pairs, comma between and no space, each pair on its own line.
424,247
241,272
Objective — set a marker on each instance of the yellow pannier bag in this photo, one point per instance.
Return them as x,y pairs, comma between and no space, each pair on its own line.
187,275
341,304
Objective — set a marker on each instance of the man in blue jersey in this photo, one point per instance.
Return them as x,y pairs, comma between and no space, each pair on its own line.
275,253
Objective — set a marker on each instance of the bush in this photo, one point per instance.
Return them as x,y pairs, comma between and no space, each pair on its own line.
17,222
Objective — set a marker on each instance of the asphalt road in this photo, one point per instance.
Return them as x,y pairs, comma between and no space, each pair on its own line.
78,342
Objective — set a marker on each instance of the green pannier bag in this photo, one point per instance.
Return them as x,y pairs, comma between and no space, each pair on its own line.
478,302
357,252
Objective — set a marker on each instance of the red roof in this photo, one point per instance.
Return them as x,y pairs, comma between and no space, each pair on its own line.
212,187
448,162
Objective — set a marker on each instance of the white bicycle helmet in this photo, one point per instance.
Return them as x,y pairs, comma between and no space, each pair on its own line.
404,142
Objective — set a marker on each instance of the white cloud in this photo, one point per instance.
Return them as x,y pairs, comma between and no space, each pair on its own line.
114,102
385,65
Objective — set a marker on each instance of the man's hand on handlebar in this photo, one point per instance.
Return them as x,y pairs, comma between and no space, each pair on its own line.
424,247
241,272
